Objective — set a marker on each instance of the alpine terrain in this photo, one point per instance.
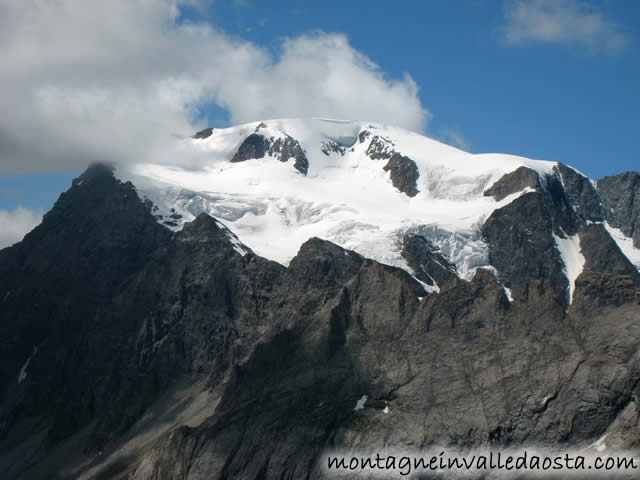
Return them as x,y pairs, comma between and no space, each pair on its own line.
306,285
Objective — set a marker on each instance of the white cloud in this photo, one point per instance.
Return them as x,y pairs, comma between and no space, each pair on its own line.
16,223
568,22
112,81
454,137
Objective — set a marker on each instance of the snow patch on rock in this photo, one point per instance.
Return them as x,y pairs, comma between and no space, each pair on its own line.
360,403
572,258
625,244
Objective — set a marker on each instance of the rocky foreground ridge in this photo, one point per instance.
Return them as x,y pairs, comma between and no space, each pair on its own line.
128,350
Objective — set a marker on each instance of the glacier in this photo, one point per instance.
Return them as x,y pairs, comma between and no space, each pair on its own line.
345,197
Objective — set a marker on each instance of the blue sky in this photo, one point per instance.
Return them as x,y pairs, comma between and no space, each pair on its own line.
555,80
560,100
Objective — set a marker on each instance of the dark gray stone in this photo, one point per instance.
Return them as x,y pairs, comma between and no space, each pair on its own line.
254,146
426,260
331,146
513,182
288,148
404,171
257,146
521,244
620,195
379,148
581,194
404,174
602,253
204,133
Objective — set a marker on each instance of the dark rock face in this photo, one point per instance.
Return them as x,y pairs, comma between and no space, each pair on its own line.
257,146
331,146
581,194
114,317
467,368
379,148
520,235
608,278
120,310
204,133
254,146
288,148
513,182
404,174
603,255
60,287
620,195
608,290
404,171
521,244
426,261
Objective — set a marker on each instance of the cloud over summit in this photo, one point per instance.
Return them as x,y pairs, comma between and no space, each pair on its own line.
112,81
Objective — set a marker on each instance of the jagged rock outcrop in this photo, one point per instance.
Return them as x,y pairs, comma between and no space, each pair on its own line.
204,133
602,254
257,146
288,148
428,264
620,195
403,171
523,235
581,194
513,182
608,278
254,146
122,312
468,368
379,148
58,287
521,243
404,174
331,146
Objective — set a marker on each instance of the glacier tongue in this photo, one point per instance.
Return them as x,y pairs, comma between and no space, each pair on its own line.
346,196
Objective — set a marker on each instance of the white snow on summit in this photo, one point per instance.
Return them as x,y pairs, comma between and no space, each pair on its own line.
346,197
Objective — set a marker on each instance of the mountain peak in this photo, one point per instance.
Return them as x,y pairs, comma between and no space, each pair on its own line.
368,187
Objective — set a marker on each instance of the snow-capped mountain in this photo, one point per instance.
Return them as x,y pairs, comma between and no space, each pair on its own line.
366,187
137,344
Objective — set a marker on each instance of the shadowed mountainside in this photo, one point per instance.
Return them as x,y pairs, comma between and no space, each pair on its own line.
105,314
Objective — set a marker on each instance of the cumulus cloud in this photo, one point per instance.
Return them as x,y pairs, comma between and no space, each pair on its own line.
16,223
113,81
569,22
